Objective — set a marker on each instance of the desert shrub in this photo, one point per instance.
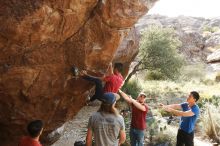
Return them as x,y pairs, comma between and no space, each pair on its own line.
133,88
208,99
162,89
153,126
154,75
190,72
164,113
165,137
217,78
216,100
207,81
204,98
206,121
211,29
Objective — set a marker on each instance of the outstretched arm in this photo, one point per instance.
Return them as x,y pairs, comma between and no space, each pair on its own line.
110,72
125,96
110,69
122,137
188,113
89,137
173,106
132,101
174,109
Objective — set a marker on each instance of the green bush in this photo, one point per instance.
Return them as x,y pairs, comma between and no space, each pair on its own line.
127,119
207,82
164,113
209,99
154,75
132,88
217,78
211,29
162,134
165,138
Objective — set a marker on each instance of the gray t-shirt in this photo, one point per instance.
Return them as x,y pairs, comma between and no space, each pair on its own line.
106,128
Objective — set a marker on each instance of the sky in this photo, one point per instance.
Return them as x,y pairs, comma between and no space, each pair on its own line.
196,8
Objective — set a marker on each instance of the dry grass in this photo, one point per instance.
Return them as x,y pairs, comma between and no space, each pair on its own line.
181,88
192,79
210,122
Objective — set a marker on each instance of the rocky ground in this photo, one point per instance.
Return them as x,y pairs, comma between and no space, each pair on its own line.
75,130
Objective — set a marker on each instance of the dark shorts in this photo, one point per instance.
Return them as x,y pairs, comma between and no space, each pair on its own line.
184,138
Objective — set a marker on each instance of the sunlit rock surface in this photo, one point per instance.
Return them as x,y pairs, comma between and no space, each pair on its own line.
41,40
214,59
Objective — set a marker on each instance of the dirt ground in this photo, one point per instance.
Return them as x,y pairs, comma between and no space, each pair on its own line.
75,130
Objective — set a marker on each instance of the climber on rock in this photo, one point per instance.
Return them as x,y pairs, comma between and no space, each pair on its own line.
112,82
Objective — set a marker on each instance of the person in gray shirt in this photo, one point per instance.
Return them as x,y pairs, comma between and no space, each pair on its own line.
106,125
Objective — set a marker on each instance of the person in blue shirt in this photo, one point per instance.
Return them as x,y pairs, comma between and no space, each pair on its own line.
189,115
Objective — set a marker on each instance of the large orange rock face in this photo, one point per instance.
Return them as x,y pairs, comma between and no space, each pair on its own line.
41,40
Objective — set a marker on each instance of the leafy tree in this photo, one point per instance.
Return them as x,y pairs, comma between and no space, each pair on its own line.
158,52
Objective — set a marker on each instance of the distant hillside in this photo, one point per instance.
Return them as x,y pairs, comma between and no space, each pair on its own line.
199,36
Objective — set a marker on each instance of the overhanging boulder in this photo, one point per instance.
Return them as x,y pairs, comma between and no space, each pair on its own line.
41,40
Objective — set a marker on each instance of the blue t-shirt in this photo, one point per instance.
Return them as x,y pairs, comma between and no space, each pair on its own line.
187,124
